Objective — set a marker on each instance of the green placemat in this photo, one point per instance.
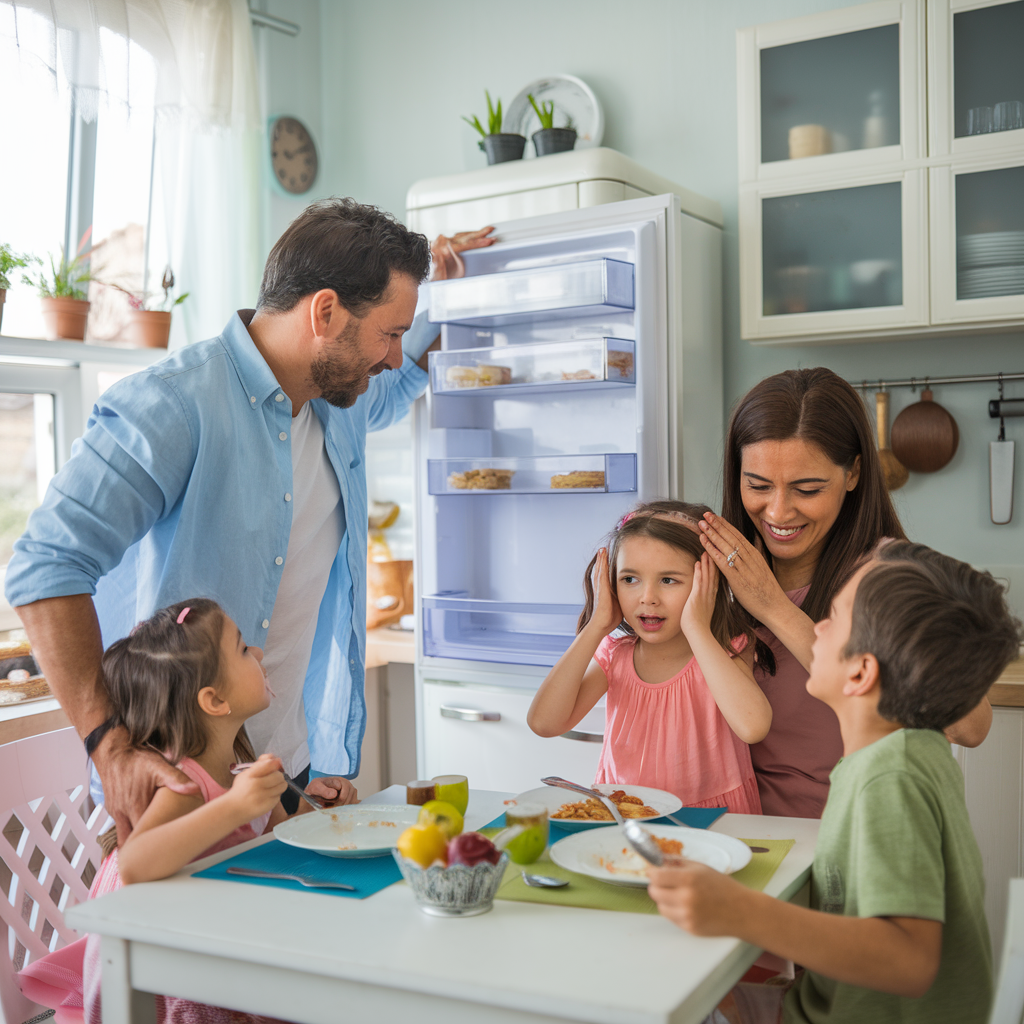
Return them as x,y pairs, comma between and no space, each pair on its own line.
583,891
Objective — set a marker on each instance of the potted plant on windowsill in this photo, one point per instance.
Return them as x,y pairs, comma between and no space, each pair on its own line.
550,139
62,294
498,145
149,320
9,260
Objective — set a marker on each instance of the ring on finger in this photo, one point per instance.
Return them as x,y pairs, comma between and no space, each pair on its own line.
731,557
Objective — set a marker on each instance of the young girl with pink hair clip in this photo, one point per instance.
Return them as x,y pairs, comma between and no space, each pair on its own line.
682,705
184,682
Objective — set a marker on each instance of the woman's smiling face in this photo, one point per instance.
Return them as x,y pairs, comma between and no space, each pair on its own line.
793,492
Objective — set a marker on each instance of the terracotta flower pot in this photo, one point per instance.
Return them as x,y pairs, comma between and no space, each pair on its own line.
3,299
148,328
65,318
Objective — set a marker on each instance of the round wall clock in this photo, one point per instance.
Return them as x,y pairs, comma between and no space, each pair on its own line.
293,155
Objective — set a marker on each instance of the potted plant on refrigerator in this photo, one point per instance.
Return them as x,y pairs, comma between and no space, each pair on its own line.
498,145
62,293
149,319
9,260
550,139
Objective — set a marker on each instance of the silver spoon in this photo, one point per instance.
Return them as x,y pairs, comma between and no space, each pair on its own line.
639,838
544,881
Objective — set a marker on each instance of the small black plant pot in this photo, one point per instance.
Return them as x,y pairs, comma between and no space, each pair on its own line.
502,147
554,140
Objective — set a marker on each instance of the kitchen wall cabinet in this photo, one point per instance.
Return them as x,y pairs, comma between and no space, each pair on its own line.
994,790
481,732
881,162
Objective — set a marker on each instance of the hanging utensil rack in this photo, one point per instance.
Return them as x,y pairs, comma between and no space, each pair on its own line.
916,382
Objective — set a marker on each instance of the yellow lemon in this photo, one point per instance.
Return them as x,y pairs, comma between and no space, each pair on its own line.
423,844
443,815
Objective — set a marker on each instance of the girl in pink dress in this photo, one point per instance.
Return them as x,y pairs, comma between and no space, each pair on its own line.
184,683
682,705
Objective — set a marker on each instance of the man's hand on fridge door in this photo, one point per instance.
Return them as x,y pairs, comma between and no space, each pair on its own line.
444,252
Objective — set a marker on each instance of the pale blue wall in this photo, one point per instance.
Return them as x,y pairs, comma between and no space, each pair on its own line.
396,75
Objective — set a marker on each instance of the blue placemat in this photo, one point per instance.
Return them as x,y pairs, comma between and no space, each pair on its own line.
367,874
693,817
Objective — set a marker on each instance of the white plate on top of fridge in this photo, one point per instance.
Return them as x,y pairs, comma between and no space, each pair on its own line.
359,830
606,856
552,797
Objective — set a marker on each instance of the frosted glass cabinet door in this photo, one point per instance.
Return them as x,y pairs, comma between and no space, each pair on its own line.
830,91
833,258
976,75
978,258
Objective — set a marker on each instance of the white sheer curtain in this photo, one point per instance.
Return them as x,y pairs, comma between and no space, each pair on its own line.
208,134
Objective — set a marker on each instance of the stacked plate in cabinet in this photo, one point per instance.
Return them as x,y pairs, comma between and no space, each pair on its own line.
989,264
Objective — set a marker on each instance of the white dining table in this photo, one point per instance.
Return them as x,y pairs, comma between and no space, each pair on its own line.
320,959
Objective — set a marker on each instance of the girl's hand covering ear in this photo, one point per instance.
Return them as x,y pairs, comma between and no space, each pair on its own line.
607,613
700,605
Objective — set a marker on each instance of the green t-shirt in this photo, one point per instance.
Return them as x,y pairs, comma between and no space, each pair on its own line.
895,841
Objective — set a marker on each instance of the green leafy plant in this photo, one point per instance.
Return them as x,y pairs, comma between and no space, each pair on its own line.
546,111
67,277
493,119
10,260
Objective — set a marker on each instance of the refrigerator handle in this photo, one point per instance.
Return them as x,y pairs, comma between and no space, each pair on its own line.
470,714
583,737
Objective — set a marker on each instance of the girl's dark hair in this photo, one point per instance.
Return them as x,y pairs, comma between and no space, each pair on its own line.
821,408
651,519
343,245
154,675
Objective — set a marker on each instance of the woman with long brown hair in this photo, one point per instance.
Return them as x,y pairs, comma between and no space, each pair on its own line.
804,500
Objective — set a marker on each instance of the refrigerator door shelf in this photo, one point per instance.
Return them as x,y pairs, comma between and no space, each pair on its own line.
588,288
544,368
458,626
541,474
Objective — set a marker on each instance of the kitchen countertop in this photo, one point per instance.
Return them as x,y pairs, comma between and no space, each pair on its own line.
390,645
1008,690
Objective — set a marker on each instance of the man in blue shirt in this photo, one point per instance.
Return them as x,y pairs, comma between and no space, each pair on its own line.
233,469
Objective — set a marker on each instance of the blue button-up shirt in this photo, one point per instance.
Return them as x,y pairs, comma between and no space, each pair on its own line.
177,489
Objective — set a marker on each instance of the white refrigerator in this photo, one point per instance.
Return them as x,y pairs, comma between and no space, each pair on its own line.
580,372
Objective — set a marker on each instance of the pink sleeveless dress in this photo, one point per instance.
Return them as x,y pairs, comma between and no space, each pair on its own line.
672,736
69,979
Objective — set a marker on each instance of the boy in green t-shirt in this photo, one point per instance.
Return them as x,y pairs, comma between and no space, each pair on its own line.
896,931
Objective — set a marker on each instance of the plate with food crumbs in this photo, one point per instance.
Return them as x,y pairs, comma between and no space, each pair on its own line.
358,830
577,812
604,854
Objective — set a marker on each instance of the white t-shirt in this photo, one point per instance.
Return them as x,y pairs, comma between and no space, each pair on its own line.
318,526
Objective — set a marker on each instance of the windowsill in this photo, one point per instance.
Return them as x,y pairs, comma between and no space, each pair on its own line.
72,353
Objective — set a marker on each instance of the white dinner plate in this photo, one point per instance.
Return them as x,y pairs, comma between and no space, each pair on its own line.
552,797
606,855
359,830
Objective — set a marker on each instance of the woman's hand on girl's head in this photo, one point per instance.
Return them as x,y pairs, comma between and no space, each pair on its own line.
258,789
331,792
607,613
752,581
700,605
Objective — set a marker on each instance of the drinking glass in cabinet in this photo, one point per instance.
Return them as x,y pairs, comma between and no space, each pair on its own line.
838,249
990,233
988,70
831,94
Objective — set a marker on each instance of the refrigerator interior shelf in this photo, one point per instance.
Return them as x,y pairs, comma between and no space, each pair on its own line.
458,626
541,474
587,288
546,367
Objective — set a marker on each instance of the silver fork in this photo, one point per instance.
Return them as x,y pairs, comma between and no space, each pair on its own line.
309,883
639,838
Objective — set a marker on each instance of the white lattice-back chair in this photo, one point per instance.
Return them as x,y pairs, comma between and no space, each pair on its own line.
49,853
1009,1001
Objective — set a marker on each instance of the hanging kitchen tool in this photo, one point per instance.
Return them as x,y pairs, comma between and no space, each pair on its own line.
1000,467
893,470
924,435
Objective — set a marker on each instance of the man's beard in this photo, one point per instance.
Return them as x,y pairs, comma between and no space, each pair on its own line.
340,382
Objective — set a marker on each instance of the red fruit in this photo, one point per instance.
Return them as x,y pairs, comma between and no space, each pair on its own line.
471,848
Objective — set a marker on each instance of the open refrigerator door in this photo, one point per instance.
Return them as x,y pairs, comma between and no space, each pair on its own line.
580,373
